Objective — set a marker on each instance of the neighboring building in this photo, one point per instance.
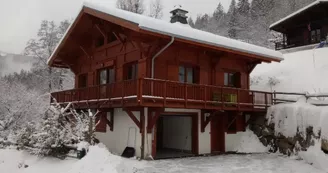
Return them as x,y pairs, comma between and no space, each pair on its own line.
165,89
304,27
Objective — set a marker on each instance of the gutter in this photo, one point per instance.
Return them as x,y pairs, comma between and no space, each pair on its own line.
157,54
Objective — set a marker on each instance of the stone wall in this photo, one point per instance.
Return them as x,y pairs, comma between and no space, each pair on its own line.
278,142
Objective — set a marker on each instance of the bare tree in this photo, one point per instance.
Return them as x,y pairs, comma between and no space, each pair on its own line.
156,9
42,47
135,6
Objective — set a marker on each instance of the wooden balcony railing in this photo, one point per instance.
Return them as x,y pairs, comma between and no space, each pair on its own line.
164,93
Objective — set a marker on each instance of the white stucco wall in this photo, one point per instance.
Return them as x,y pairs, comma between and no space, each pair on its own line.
117,140
177,132
204,138
233,140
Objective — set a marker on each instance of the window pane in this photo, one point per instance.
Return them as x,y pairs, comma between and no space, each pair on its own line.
226,79
181,74
231,79
103,77
190,75
111,75
132,71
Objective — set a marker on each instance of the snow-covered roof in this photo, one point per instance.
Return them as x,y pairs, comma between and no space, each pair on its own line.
181,32
297,12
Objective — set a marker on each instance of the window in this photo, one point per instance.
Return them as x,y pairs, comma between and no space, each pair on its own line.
188,74
83,80
131,71
100,41
106,76
315,36
232,79
111,37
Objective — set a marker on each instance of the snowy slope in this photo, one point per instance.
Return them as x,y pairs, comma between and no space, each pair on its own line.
302,71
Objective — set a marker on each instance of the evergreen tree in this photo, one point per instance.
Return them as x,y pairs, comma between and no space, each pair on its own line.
243,7
219,12
232,13
191,22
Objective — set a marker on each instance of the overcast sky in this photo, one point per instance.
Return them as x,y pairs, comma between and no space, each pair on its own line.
20,19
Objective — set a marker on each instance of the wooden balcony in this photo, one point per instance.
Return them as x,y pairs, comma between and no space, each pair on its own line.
162,93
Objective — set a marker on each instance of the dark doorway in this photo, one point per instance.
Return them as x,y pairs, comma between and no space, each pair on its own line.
217,134
175,136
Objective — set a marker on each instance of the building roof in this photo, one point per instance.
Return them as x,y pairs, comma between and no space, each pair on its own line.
302,10
145,23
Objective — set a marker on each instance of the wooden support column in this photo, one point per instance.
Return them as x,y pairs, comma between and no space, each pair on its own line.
152,121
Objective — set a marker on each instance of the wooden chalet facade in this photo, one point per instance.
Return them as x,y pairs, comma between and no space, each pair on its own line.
153,82
304,27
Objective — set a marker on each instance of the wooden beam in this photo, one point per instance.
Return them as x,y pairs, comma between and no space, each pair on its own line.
152,120
132,116
205,120
118,37
85,52
251,66
141,48
138,123
110,122
101,31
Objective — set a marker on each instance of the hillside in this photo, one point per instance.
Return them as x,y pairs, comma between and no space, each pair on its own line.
10,63
302,71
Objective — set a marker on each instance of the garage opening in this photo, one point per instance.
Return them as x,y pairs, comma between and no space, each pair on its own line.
176,136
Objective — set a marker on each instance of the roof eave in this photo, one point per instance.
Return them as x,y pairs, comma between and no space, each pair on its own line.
290,16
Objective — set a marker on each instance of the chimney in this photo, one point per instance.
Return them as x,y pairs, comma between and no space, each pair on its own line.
179,15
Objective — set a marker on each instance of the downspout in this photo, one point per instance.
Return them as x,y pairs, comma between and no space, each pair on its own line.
152,89
157,54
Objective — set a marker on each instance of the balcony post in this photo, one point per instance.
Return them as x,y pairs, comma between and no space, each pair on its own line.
205,96
238,101
165,92
253,100
222,99
139,90
185,95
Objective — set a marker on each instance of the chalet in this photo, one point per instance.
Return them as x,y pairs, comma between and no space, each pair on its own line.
304,27
163,88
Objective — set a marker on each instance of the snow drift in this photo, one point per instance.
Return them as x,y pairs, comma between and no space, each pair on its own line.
247,143
299,72
99,160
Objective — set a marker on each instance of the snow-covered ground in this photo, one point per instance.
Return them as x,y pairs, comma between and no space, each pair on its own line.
302,71
99,160
14,161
